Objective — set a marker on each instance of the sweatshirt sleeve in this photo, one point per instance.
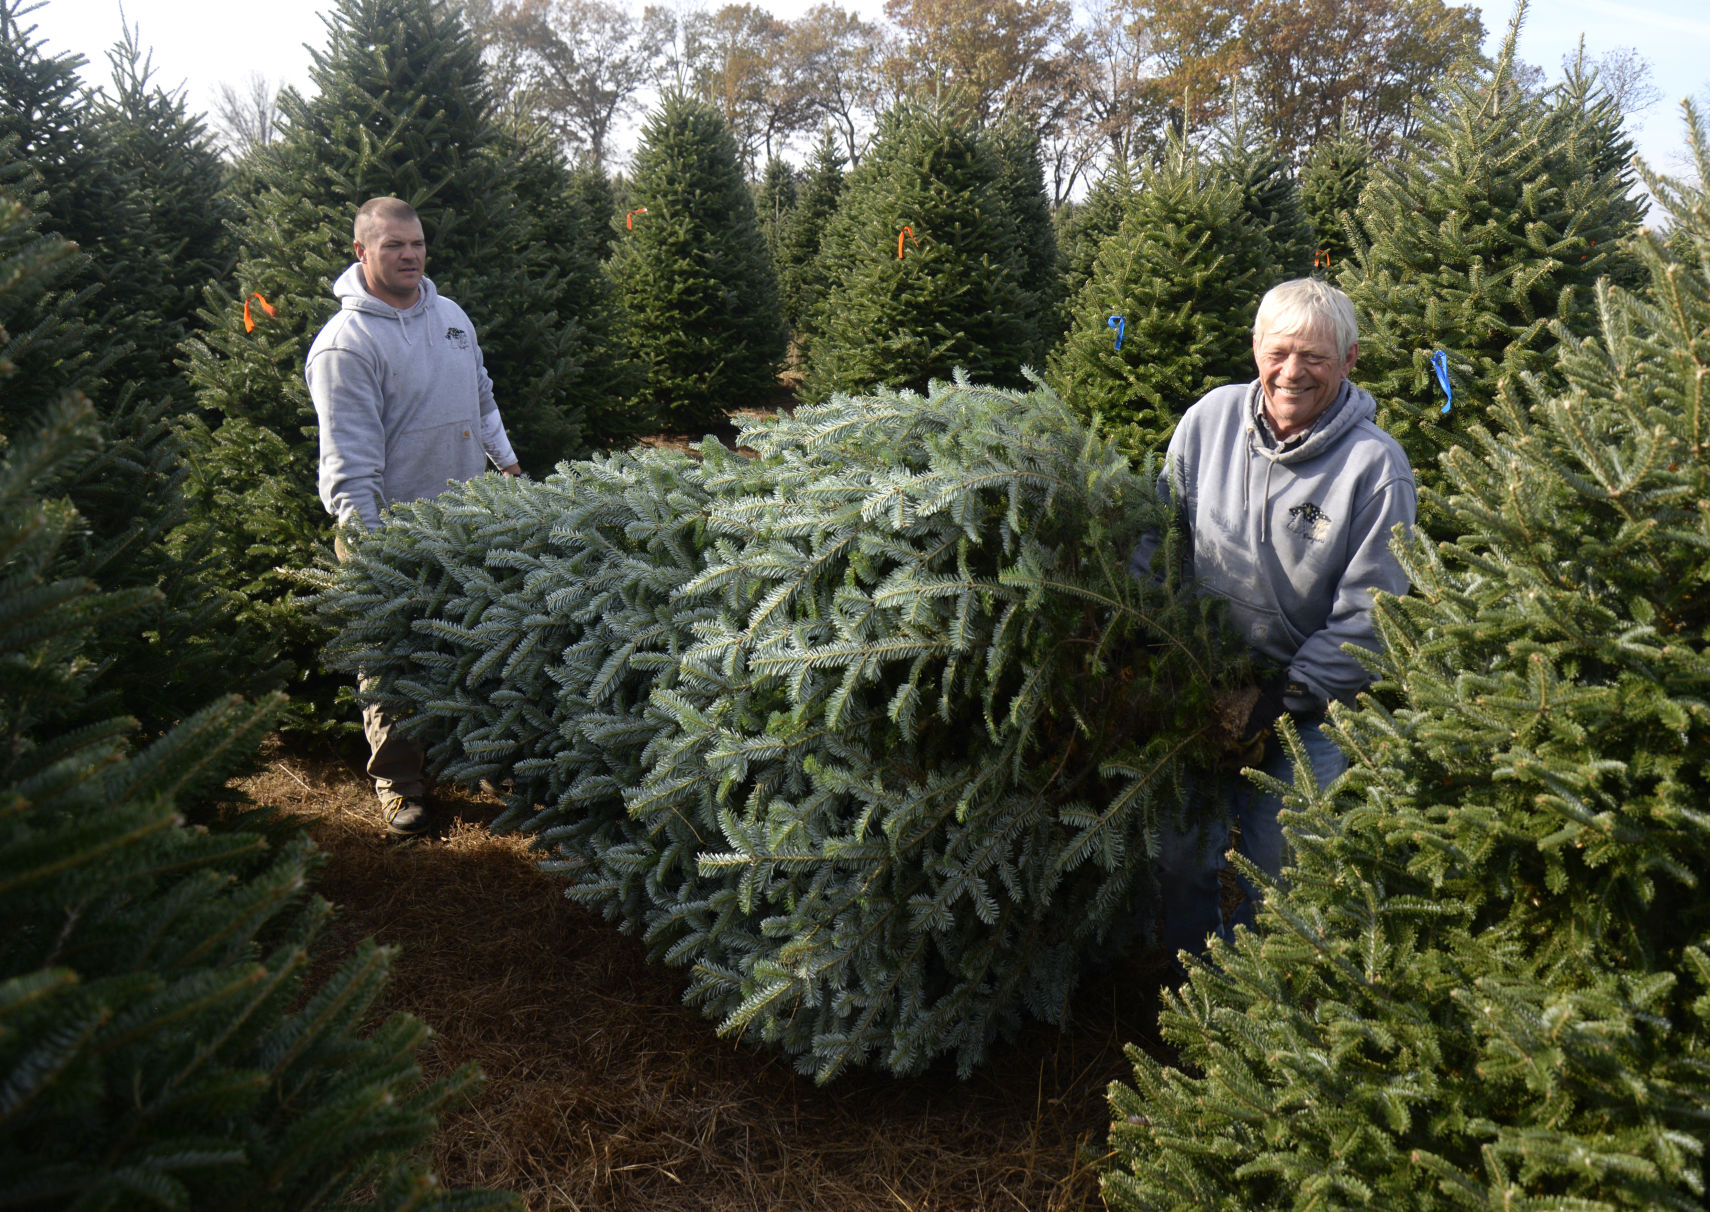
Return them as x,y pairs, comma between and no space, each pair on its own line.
494,441
1320,663
345,386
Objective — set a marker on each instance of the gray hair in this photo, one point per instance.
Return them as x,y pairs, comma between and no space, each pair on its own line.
1304,304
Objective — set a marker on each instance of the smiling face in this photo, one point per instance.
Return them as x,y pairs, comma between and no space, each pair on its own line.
1300,374
393,252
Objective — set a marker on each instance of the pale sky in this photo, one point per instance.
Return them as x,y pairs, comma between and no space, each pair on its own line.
202,43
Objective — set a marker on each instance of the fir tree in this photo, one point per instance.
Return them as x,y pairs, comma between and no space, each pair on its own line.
52,160
154,271
1270,199
1083,228
1021,186
694,280
869,732
1496,221
1183,274
1330,185
1486,981
572,210
402,109
923,265
816,202
124,176
774,202
160,1039
592,194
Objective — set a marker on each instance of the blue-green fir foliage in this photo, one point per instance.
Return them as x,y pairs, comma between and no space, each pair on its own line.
871,732
1486,982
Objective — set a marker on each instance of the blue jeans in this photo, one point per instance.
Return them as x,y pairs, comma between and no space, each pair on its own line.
1189,860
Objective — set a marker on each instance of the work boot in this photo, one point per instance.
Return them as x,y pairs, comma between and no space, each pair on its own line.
405,816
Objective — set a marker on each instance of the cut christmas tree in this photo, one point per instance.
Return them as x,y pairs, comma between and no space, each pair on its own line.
872,732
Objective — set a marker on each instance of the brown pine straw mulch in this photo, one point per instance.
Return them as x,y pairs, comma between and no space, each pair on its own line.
605,1091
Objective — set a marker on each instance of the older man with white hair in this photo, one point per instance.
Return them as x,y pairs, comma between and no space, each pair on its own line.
1289,493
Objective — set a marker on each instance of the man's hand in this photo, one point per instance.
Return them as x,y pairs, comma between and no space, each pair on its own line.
1255,737
1248,717
515,469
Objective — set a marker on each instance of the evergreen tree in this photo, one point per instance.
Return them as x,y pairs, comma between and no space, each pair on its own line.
123,176
1330,184
154,272
1498,219
1486,981
1183,273
870,732
44,117
592,194
1021,186
774,201
816,202
923,267
52,160
572,209
161,1042
1083,228
402,108
1269,196
694,280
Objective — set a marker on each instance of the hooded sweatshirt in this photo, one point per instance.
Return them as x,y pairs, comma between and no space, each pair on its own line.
403,400
1294,535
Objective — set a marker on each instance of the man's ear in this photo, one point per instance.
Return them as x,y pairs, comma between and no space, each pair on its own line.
1353,356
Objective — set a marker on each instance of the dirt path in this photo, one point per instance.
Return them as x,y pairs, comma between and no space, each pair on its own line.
604,1091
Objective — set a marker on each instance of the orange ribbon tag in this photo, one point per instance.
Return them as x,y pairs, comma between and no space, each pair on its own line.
629,219
249,324
905,233
1321,258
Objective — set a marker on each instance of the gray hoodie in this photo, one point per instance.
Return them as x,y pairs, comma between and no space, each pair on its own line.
400,396
1295,536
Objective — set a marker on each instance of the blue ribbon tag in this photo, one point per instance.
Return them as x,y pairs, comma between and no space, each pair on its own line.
1118,323
1440,364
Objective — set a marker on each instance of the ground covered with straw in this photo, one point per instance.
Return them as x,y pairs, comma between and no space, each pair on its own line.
604,1091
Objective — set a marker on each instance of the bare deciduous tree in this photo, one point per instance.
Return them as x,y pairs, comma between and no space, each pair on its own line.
1001,56
246,116
838,56
575,65
736,62
1305,62
1625,75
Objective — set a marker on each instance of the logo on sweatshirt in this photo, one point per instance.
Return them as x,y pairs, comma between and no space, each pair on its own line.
457,337
1309,522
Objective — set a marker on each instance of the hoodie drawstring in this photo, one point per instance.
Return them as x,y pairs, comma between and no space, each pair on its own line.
1255,449
1265,505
